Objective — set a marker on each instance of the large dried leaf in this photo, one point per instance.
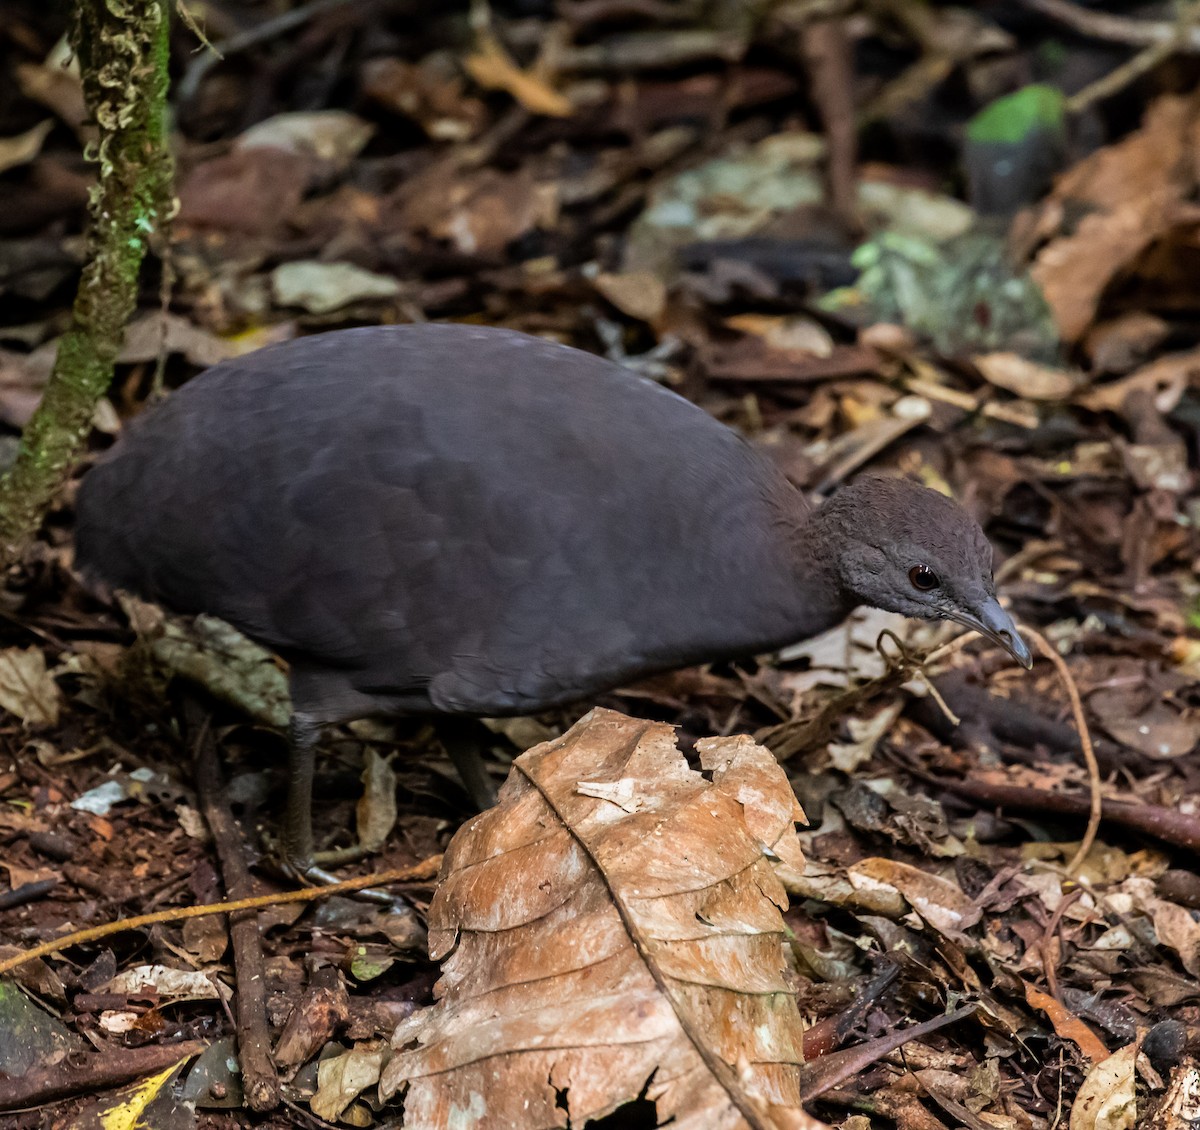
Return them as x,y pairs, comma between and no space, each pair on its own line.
614,923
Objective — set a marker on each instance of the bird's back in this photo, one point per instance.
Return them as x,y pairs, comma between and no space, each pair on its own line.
444,517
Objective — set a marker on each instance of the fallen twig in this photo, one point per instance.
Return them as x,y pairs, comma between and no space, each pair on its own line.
95,1072
1115,29
829,1070
1168,825
423,871
260,1082
1085,743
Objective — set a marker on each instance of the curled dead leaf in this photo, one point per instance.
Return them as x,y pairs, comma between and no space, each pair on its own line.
595,949
940,902
24,147
1025,378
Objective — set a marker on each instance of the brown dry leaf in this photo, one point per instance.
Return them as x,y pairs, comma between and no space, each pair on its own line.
798,336
249,191
1025,378
1153,728
430,92
1137,188
639,294
595,947
493,67
27,688
155,332
1165,379
205,939
1176,928
22,378
57,85
375,812
940,902
481,213
333,137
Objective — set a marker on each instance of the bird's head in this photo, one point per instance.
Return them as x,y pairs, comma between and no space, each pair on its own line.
908,549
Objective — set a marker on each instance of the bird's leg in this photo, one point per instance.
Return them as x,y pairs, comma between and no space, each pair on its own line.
297,855
304,732
460,739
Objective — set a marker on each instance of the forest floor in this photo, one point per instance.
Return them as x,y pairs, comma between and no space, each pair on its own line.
837,236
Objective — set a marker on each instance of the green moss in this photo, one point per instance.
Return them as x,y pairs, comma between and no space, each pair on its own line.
123,54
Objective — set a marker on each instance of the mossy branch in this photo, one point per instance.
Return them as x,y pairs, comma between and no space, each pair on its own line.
123,53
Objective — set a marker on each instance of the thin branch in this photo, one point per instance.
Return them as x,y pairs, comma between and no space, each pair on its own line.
251,37
123,55
1142,63
417,873
1096,809
1115,29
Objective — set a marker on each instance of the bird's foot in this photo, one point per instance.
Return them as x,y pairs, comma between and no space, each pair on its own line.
305,868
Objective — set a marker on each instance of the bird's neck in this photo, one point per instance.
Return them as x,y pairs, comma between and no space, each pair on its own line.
768,580
821,600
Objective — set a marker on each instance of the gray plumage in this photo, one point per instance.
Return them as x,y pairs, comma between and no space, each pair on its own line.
468,520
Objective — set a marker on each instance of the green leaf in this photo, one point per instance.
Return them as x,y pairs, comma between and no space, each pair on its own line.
1011,119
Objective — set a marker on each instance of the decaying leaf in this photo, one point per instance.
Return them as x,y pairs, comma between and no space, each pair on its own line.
1025,378
940,902
27,688
335,136
376,810
1180,1106
1133,191
341,1079
168,984
323,287
595,949
210,652
1108,1098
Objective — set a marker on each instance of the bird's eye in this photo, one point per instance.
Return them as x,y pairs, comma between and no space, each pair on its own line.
923,578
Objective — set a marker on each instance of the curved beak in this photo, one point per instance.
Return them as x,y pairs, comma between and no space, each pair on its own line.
992,621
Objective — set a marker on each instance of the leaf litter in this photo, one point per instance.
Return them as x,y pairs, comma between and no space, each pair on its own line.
651,184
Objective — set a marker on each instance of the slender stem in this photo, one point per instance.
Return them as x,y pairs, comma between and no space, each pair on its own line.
123,53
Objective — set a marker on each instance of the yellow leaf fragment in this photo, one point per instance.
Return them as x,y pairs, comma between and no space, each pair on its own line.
126,1113
493,67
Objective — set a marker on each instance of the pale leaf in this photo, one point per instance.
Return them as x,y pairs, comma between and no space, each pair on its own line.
27,689
1108,1098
